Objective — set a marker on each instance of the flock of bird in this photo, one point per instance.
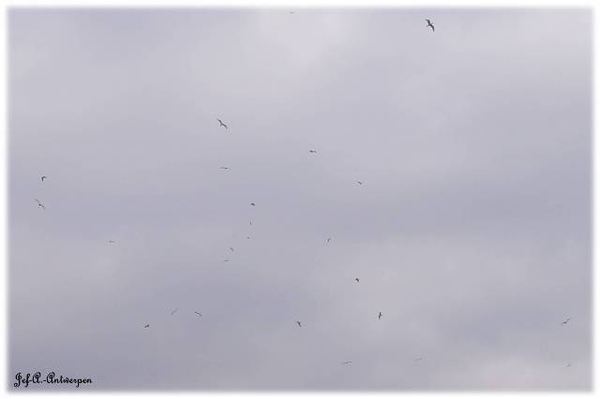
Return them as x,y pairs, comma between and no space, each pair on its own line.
311,151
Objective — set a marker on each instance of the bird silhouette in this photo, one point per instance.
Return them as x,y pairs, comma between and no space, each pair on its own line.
40,204
379,315
174,311
43,177
231,249
224,167
147,325
312,151
566,321
299,324
329,239
226,260
253,204
111,241
358,281
418,359
347,362
198,313
222,124
359,182
430,24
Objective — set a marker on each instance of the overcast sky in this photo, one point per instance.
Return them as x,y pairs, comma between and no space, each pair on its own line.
471,232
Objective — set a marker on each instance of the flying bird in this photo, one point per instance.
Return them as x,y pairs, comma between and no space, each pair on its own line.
251,223
329,239
224,167
347,362
231,249
43,177
430,24
247,238
147,325
568,365
359,182
566,321
418,359
379,315
226,260
111,241
299,324
358,281
312,151
253,204
221,123
40,204
174,311
198,313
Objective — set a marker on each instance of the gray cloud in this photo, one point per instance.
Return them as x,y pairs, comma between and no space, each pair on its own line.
471,232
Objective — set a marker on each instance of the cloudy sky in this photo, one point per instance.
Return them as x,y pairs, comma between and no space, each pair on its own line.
470,232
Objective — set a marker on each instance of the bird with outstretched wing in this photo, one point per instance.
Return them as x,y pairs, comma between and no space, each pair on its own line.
222,124
430,25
